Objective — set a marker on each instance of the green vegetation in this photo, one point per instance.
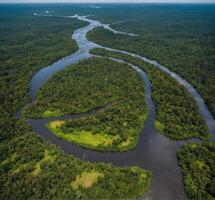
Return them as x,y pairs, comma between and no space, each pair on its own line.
159,126
177,114
47,158
197,162
28,43
179,36
95,82
85,138
22,167
42,171
10,159
51,113
30,168
89,84
86,179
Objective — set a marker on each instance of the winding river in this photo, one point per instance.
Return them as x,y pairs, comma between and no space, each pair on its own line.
154,152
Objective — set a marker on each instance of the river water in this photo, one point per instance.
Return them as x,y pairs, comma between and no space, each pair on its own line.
154,152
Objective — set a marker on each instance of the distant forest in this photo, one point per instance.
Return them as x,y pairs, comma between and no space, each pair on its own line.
180,37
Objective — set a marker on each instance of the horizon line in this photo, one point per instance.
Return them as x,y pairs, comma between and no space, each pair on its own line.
93,2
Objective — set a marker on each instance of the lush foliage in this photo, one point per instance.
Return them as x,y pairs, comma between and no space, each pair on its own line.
89,84
28,43
177,114
33,169
178,36
29,167
84,86
197,162
82,137
181,37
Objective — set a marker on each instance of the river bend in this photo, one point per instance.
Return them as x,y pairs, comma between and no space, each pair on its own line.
154,152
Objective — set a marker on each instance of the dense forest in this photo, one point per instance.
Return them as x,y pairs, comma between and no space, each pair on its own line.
28,43
89,84
177,114
180,37
197,162
31,168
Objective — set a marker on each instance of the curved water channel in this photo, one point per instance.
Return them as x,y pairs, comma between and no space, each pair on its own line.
154,152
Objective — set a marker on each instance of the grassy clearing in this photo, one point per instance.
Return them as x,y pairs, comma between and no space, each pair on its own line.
54,125
83,138
86,179
51,113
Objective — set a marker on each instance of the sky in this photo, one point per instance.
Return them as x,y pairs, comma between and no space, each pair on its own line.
107,1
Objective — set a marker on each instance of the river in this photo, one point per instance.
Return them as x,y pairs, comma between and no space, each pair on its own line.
154,151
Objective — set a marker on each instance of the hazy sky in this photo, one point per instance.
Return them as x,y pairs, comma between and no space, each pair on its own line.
115,1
